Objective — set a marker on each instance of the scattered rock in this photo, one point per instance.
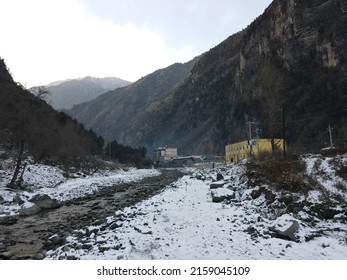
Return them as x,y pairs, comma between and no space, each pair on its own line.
217,185
221,194
286,199
269,196
325,211
28,208
200,177
66,249
115,225
219,177
6,255
45,202
1,199
285,228
87,246
143,232
99,222
56,239
17,199
39,256
256,193
91,230
71,257
252,231
104,248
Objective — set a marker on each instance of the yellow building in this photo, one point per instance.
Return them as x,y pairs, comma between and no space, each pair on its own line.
250,149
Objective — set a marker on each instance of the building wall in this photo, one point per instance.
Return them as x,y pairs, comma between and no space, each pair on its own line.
248,149
170,153
165,153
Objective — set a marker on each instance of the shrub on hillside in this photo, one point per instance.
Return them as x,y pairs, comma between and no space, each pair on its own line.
285,174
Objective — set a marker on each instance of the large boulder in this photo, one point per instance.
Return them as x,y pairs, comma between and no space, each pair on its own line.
285,227
219,177
44,201
28,208
221,194
217,185
17,199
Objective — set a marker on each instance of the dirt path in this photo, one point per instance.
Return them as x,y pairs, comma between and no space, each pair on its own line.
29,237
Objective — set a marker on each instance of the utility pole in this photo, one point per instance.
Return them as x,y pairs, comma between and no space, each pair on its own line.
250,129
284,131
330,135
250,136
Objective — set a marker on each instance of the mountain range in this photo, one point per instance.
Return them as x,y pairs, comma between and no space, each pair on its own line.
288,66
65,94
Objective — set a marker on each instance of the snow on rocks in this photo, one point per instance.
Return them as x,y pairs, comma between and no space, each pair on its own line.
45,202
182,222
46,188
222,194
28,208
285,227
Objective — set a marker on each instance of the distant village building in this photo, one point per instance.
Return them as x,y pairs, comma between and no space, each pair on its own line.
250,148
186,161
164,154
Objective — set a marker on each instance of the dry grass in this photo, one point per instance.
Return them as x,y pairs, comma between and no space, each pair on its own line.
285,174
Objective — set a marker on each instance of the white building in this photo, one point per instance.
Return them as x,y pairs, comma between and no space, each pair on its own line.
164,154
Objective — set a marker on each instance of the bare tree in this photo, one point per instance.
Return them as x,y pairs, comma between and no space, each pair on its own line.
14,183
272,83
41,92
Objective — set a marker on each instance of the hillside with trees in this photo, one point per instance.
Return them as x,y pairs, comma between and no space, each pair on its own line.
29,125
113,114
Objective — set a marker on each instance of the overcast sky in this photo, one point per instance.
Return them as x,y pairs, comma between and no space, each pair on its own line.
47,40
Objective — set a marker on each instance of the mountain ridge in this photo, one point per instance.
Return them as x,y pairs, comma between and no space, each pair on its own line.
122,106
293,55
67,93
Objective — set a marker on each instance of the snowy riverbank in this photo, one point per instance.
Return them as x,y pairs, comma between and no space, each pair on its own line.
49,181
184,223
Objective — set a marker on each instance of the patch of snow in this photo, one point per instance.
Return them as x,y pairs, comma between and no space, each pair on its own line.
324,170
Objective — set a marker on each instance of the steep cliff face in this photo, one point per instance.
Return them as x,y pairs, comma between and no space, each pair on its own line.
292,55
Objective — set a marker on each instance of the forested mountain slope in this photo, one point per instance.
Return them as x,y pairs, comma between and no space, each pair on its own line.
28,123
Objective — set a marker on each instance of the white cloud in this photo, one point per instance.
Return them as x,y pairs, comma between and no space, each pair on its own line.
47,40
51,40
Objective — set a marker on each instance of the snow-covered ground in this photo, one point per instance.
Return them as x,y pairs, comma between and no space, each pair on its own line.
184,223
